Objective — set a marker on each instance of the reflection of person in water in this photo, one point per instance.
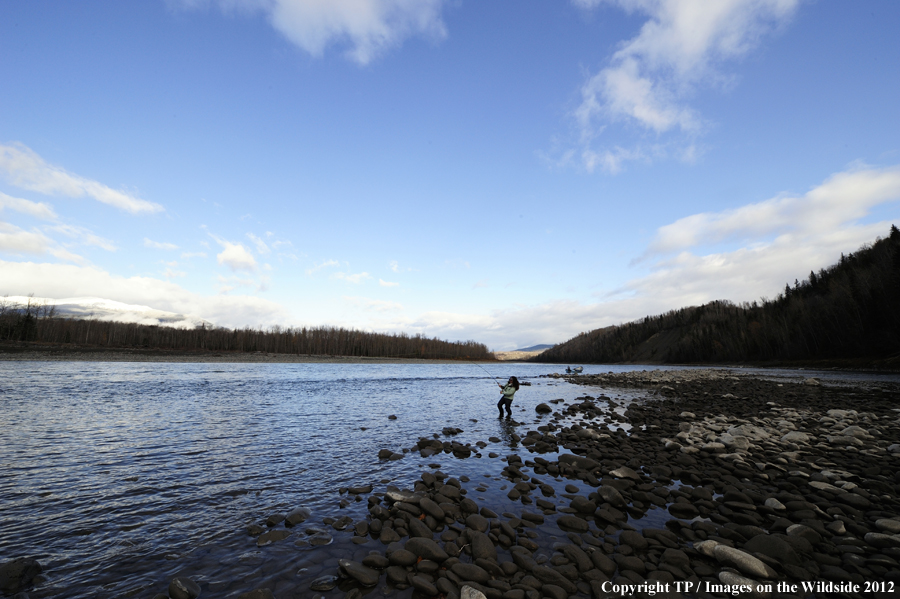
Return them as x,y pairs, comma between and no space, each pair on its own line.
506,400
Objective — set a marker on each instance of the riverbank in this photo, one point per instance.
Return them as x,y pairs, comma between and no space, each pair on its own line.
63,353
725,481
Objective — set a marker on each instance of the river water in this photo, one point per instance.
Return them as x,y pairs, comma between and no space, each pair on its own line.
118,477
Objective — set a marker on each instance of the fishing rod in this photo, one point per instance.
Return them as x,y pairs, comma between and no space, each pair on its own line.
486,370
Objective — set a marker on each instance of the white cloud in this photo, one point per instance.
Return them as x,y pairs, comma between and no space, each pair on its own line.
66,281
261,246
171,273
188,255
395,266
320,266
355,278
678,49
235,256
159,245
23,168
384,283
369,27
35,209
480,284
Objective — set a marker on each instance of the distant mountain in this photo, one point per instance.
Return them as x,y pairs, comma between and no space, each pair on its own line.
536,347
96,308
848,313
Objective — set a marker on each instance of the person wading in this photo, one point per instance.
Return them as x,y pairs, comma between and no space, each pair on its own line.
506,400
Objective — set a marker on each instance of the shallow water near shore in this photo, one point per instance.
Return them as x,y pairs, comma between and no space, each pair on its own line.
119,476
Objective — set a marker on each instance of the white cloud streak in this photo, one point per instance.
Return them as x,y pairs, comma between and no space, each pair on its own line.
368,27
36,209
23,168
320,266
355,278
384,283
159,245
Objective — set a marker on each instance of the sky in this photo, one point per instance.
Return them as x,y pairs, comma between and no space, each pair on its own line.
513,173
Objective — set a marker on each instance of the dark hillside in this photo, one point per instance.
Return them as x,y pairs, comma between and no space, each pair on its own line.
847,312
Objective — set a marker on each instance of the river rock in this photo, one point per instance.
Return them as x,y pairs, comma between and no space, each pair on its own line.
881,540
611,495
736,580
470,572
267,538
423,586
685,511
17,574
795,437
578,462
363,574
743,561
550,576
625,472
543,408
482,547
888,525
426,549
403,557
774,547
468,592
297,516
183,588
257,594
573,523
432,509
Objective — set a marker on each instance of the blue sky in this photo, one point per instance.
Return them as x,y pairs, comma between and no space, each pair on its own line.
513,173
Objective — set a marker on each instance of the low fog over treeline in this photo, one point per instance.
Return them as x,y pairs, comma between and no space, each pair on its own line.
39,322
849,311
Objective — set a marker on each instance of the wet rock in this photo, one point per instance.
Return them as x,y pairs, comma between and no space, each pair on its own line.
417,528
550,576
543,408
402,557
744,562
423,586
735,580
396,574
432,509
573,523
17,574
360,490
477,522
274,520
774,547
468,592
426,549
377,561
795,437
633,539
625,472
888,525
267,538
470,572
881,540
684,511
362,574
297,516
183,588
482,547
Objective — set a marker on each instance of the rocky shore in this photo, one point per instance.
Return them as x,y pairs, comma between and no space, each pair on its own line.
712,485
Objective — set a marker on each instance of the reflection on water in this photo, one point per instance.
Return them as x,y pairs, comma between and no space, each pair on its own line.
116,473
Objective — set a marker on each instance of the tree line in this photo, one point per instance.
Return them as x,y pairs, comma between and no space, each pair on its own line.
850,310
40,323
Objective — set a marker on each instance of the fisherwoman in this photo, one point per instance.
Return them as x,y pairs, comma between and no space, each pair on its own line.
506,400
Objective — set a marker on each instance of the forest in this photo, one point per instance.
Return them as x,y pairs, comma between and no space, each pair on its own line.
848,313
37,323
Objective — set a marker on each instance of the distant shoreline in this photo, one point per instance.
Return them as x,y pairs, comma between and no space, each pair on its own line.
56,353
